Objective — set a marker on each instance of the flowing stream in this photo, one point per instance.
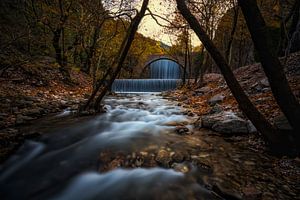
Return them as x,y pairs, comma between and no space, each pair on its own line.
63,164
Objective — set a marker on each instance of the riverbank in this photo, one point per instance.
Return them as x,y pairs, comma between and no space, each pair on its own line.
142,141
215,97
33,91
150,132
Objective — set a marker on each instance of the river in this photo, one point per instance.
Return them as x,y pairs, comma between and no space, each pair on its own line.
64,163
143,147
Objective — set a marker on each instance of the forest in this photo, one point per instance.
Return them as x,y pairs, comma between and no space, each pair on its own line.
150,99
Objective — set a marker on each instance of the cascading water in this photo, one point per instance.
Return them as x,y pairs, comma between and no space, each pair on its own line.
144,85
164,76
64,164
164,69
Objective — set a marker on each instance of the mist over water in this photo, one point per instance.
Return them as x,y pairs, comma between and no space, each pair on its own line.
63,163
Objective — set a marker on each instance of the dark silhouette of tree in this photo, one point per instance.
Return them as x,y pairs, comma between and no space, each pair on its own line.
278,142
271,64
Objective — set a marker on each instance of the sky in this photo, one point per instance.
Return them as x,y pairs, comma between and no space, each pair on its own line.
150,28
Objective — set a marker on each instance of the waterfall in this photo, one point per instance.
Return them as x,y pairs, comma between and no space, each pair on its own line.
164,76
164,69
145,85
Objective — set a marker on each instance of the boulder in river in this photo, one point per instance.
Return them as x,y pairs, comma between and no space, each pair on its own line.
163,157
216,99
225,122
182,130
216,109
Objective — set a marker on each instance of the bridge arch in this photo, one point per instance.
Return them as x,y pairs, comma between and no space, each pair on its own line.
149,62
156,58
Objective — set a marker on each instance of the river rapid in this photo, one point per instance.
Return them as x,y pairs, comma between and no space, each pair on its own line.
64,163
144,147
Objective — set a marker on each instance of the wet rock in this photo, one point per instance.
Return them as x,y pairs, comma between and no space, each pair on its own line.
216,109
282,123
139,161
266,90
190,114
183,98
173,123
87,113
251,128
179,156
198,123
117,162
265,83
225,122
231,126
182,130
163,157
63,104
250,192
21,119
180,167
203,90
258,88
216,99
32,112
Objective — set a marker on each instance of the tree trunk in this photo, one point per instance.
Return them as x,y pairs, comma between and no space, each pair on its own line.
118,62
203,68
234,26
271,64
273,137
199,65
99,84
60,58
293,44
185,62
91,51
286,45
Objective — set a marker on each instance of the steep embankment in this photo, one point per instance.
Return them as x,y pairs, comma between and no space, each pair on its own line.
215,97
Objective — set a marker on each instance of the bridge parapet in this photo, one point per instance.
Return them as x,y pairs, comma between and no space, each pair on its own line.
154,58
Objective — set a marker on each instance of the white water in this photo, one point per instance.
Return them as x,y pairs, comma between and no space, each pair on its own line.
164,76
65,168
164,69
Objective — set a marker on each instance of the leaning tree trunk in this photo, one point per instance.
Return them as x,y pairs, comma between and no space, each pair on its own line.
271,135
97,87
118,63
271,64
